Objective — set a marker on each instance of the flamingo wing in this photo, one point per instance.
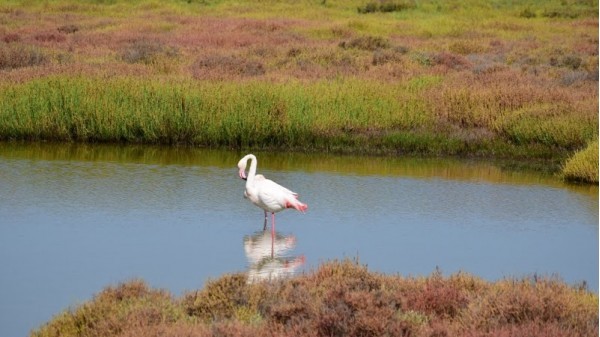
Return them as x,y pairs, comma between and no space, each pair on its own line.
271,185
272,200
259,178
274,196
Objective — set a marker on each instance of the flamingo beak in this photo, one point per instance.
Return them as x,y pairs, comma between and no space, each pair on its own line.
242,174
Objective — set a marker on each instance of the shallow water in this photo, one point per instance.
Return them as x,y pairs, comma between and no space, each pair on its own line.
76,218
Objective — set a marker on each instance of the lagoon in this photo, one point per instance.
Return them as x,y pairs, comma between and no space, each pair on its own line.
76,218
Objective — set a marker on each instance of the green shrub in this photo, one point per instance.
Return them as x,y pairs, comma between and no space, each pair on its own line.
370,43
572,61
527,13
371,7
386,6
560,12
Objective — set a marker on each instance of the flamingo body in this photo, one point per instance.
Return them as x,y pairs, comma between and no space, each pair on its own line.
265,193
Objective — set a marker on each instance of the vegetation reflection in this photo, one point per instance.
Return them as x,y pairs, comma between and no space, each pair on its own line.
461,169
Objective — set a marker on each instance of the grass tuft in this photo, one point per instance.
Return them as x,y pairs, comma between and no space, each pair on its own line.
583,165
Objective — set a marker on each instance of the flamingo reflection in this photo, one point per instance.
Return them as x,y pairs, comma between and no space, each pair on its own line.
268,256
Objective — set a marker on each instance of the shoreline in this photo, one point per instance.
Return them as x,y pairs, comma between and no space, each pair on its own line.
544,164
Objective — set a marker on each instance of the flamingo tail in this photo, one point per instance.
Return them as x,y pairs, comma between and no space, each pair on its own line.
296,204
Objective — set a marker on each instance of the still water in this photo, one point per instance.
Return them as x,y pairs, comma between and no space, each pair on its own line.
76,218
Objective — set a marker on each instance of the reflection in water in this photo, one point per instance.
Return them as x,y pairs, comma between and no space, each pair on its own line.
269,257
503,172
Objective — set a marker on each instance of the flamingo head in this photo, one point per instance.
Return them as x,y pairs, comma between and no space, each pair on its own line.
242,174
242,166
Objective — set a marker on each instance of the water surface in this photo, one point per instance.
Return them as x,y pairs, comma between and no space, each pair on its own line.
76,218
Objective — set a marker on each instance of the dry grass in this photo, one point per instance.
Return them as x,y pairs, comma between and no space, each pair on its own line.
339,299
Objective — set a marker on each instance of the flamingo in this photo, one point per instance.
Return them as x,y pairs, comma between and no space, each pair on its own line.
267,194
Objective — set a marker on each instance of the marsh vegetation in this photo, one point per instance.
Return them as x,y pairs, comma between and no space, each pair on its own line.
340,298
468,77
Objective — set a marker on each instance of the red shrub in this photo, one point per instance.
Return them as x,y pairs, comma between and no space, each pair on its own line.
437,296
451,61
11,37
50,37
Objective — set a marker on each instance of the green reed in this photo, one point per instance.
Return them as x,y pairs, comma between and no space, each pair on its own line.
231,114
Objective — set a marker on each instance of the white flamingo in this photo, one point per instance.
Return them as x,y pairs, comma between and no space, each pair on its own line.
265,193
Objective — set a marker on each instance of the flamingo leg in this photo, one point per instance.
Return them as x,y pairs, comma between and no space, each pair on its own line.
273,225
265,224
272,243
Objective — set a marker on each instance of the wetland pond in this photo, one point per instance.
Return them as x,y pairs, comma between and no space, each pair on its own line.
77,218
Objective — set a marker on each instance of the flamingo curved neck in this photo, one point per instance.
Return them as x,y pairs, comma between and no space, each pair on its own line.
252,171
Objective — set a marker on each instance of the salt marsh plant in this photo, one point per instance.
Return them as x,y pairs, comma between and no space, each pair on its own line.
340,298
